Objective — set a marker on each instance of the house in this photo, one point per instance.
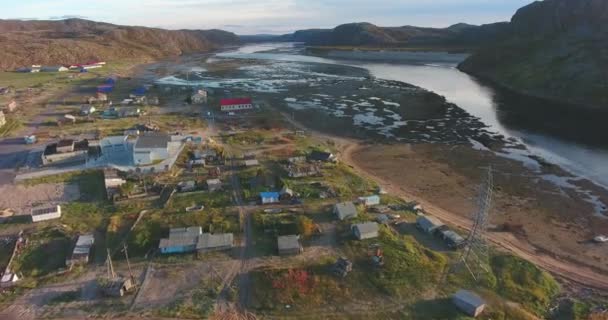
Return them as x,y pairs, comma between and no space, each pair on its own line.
65,151
2,119
345,210
370,200
81,250
199,97
269,197
321,156
11,106
451,238
289,245
214,185
186,186
151,147
468,302
112,182
236,104
54,69
208,242
251,163
87,110
428,224
46,213
181,240
366,230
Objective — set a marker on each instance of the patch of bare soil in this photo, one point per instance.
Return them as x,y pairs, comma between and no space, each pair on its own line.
21,198
534,219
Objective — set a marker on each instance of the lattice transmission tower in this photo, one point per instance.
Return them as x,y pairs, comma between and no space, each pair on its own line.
475,255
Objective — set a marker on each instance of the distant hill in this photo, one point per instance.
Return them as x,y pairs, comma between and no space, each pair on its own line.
556,49
368,35
25,43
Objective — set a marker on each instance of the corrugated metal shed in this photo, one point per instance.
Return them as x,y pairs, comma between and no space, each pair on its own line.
428,224
366,230
345,210
468,302
212,242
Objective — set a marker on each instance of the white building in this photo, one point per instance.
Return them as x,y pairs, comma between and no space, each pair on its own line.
151,147
46,213
236,104
2,119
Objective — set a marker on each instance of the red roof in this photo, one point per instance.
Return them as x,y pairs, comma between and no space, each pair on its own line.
233,101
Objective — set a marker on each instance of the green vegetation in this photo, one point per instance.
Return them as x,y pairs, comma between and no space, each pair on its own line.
10,126
521,281
46,252
180,201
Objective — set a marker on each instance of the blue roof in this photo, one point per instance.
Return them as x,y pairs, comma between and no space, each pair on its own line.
140,91
269,194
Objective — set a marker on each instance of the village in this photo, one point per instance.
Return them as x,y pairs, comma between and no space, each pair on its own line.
193,201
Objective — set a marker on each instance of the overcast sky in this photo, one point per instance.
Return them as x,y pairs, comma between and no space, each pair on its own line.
266,16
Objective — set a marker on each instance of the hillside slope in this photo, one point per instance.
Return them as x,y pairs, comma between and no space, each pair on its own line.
75,40
556,49
369,35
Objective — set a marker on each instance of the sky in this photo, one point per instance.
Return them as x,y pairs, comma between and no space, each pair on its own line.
265,16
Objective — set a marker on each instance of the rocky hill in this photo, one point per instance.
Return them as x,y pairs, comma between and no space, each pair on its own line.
75,40
369,35
555,49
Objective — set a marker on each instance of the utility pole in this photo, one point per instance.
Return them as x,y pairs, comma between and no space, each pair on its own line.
111,274
124,246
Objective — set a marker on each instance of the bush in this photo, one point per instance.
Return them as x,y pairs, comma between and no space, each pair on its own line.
521,281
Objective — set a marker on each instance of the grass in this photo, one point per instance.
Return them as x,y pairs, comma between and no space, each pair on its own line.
46,253
181,201
10,126
521,281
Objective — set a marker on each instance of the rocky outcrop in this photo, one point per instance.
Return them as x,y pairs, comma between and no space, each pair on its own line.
556,49
75,40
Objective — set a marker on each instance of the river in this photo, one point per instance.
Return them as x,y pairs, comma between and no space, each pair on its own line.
560,134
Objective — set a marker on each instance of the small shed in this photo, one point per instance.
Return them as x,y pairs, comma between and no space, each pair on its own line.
468,302
46,213
289,245
428,224
451,238
370,200
81,250
345,210
269,197
366,230
214,185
